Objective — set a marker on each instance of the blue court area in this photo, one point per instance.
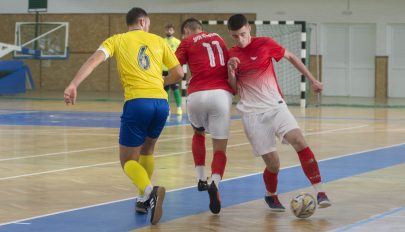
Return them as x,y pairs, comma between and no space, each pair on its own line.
120,216
74,119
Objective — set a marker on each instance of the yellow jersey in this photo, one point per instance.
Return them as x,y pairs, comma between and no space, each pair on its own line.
140,56
173,43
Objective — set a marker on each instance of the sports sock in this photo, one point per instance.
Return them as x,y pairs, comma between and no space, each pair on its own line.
309,165
200,173
218,163
198,149
138,176
148,163
177,97
270,181
216,178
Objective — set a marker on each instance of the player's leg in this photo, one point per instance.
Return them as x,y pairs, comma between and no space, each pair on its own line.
138,115
257,127
133,130
217,172
129,157
218,126
270,178
199,151
293,135
177,97
146,158
155,127
196,116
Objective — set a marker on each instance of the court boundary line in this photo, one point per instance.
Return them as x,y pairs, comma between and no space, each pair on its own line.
157,156
193,186
160,140
370,219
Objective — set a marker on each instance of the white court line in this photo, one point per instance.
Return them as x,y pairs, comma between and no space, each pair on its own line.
57,170
90,149
78,151
64,134
193,186
157,156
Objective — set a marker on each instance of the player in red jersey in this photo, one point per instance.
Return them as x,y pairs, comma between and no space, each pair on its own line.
264,112
209,100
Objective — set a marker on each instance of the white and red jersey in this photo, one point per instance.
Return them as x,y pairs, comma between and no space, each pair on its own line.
206,55
256,80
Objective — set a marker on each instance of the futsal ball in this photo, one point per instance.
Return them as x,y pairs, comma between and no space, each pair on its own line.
303,205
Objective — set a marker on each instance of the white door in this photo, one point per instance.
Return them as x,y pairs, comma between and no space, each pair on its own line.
335,73
396,77
362,60
349,52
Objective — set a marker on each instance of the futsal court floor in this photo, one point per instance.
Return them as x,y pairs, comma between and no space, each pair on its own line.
59,171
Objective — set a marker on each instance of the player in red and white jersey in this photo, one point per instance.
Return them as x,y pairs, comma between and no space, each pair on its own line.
209,101
264,112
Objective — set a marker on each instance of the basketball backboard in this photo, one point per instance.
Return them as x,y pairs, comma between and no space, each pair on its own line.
44,40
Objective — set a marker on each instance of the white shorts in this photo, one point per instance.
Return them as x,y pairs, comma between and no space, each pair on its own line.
210,110
262,129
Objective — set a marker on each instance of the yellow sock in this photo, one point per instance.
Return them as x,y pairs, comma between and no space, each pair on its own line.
137,174
147,162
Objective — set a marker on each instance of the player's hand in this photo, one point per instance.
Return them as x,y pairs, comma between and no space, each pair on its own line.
317,86
233,64
70,94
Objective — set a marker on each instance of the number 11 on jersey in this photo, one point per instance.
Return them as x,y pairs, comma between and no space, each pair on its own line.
211,53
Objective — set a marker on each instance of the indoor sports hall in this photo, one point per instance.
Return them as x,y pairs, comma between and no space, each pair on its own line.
59,164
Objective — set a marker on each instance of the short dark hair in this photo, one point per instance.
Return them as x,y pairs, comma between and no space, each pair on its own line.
191,23
168,26
134,15
236,22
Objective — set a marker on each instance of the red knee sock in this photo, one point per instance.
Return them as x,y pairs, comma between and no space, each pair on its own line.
310,165
270,180
218,163
198,149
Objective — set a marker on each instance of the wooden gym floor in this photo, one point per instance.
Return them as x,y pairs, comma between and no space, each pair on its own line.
59,171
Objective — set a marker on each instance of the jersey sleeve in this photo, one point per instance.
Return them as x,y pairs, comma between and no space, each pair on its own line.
224,49
275,50
108,46
169,58
176,43
181,53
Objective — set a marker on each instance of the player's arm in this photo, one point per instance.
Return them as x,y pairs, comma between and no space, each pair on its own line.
87,68
233,64
317,86
175,75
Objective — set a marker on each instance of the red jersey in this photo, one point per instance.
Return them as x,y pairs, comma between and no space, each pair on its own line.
206,55
256,79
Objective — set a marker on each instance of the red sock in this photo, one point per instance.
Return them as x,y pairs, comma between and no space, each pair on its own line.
310,165
198,149
270,180
218,163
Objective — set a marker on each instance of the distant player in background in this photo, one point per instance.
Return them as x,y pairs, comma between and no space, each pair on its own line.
173,44
140,56
265,114
209,101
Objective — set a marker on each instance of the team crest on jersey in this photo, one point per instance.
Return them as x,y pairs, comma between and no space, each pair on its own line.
253,57
143,58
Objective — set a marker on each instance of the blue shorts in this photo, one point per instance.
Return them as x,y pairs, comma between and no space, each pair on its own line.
141,118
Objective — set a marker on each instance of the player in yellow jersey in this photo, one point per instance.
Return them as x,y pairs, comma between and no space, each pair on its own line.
173,44
140,56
